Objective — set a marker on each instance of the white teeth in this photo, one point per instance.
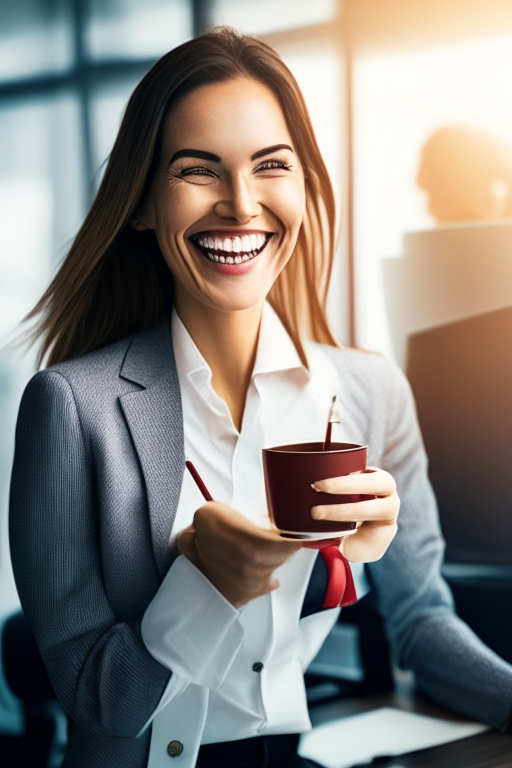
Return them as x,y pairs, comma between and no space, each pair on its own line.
249,242
245,247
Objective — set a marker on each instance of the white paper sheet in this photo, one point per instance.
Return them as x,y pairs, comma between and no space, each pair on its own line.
359,738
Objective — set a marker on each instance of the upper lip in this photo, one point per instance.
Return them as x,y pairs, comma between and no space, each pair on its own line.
230,232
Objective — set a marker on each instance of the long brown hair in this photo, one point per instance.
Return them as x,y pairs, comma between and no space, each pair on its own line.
114,280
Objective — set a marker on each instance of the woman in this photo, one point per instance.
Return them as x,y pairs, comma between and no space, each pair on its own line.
161,345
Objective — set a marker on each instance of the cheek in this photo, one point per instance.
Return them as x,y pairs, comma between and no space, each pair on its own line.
181,207
289,200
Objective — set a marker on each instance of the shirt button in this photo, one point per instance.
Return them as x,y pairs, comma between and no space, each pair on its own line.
257,666
175,748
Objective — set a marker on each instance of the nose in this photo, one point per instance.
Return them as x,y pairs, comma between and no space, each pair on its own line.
239,202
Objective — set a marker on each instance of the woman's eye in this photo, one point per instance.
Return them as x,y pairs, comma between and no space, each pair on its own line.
196,171
273,165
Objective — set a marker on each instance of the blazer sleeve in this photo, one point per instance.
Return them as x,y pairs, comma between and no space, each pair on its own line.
450,662
103,676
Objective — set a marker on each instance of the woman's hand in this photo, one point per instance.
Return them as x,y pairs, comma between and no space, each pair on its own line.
377,516
238,557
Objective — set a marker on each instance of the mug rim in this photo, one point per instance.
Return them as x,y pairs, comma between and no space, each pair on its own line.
353,448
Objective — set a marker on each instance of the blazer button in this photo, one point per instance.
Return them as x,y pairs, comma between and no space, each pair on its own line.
257,666
175,748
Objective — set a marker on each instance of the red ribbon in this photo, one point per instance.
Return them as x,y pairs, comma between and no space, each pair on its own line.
340,584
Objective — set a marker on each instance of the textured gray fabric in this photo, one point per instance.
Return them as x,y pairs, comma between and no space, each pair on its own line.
96,481
90,517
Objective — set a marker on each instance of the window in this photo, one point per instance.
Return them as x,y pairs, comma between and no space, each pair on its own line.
261,17
403,94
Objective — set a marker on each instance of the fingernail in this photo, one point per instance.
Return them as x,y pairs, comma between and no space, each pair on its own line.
314,487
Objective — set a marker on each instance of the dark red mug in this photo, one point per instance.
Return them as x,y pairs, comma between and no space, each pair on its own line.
289,473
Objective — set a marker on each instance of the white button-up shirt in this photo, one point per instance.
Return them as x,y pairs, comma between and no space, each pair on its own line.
214,694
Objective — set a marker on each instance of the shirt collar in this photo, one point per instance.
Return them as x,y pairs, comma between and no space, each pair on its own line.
276,351
188,358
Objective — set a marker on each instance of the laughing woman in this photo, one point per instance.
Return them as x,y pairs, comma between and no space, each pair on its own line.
188,320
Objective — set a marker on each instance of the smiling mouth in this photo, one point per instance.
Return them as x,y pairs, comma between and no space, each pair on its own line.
230,249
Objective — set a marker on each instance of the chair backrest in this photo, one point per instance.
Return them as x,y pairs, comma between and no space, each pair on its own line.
461,376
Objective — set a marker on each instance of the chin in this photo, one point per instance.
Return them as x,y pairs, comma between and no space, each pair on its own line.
235,293
238,303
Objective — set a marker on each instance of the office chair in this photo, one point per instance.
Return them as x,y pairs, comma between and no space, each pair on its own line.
28,681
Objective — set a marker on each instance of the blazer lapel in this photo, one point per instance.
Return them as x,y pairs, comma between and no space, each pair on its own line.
155,420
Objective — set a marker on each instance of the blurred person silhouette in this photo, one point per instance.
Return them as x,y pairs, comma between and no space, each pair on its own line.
467,174
462,266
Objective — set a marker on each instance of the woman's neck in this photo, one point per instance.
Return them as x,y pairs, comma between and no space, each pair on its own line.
228,342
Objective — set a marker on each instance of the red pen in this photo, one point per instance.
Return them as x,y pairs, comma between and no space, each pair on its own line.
197,479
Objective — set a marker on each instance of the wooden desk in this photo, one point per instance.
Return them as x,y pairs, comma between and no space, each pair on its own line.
486,750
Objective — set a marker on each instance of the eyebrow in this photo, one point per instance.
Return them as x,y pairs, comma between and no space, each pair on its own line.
200,154
269,150
197,153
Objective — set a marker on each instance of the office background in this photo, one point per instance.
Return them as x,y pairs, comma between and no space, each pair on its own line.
380,77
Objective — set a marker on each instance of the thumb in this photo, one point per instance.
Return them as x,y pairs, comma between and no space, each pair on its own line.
186,543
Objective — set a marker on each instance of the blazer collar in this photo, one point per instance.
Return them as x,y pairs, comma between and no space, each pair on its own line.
155,420
149,355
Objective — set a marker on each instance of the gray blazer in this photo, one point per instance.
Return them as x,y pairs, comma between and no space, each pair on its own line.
96,481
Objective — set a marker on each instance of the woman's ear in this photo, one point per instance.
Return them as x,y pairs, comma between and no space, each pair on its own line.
143,218
136,222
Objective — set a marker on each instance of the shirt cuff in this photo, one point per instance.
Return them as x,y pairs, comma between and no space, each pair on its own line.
191,628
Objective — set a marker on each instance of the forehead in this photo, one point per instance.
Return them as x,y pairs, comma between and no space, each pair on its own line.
228,118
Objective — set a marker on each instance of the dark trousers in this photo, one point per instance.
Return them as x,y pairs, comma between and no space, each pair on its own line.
259,752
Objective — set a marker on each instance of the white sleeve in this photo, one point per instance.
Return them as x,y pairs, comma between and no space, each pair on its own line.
190,628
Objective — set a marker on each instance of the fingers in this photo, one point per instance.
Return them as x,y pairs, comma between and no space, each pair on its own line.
238,557
260,545
369,543
381,509
376,482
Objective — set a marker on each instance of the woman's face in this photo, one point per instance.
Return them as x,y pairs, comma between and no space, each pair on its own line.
228,197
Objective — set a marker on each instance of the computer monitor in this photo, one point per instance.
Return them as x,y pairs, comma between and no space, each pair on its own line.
461,376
